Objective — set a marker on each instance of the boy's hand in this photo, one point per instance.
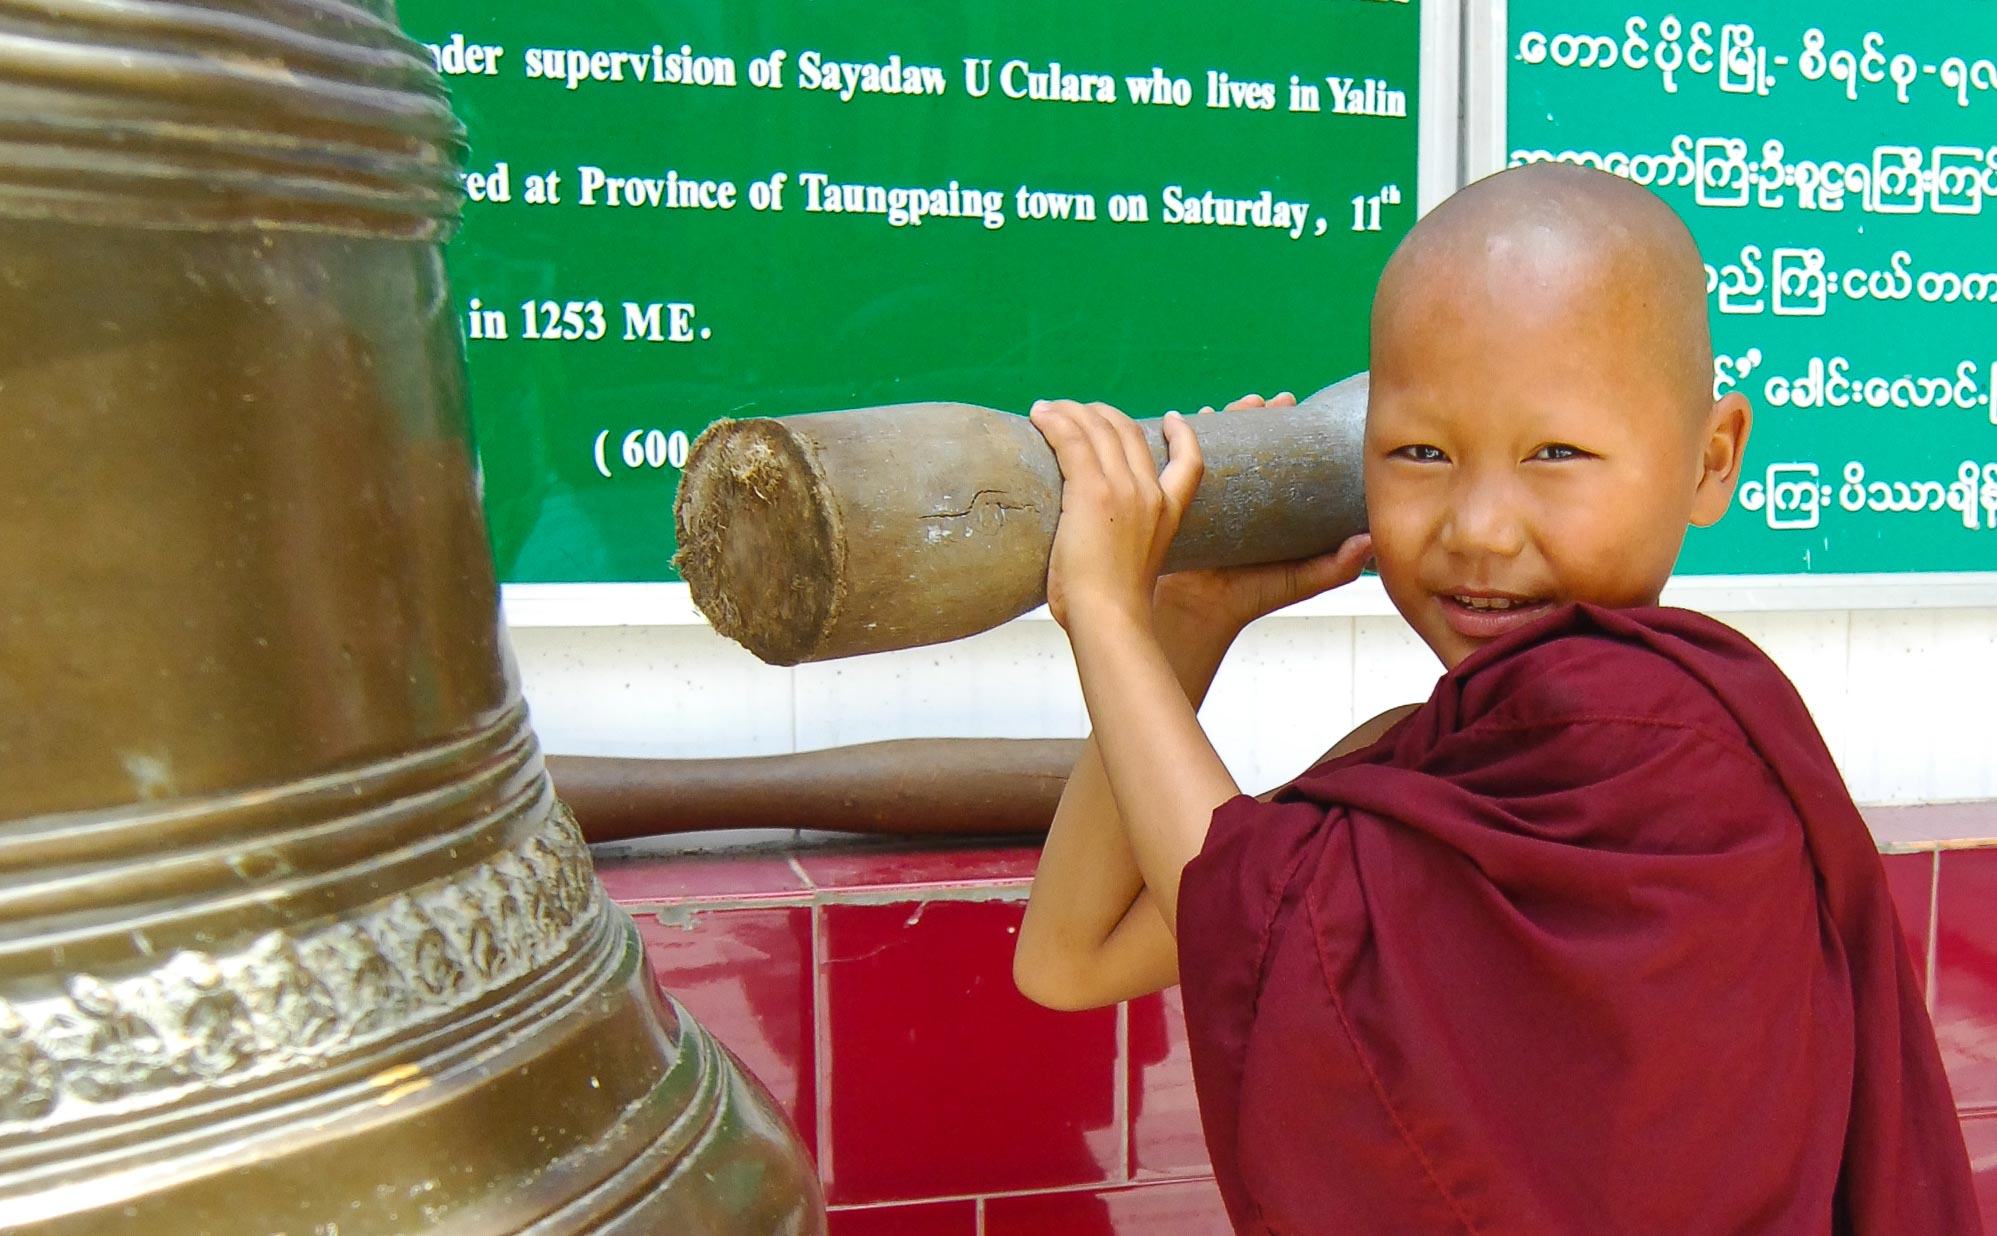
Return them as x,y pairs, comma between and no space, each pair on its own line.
1229,598
1118,514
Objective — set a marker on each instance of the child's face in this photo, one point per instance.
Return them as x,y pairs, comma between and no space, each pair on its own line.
1523,450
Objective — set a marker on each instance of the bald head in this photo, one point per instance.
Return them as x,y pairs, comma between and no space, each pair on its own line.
1555,251
1541,427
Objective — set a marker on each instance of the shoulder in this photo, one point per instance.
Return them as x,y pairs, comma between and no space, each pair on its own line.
1659,670
1364,736
1623,730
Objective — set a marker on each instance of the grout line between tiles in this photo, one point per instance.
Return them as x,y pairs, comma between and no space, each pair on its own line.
1100,1186
667,911
892,894
821,1049
1934,927
798,870
1008,889
981,1217
1120,1091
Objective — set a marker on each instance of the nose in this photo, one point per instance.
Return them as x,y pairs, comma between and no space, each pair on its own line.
1486,515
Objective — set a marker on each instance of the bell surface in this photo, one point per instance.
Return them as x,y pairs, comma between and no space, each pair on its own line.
294,935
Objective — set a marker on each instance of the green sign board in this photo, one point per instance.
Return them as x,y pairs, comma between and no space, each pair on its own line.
695,209
1838,165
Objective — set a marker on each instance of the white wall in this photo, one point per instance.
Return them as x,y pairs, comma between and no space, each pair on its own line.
1902,695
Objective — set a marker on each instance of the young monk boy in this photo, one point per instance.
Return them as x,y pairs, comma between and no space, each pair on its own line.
1593,941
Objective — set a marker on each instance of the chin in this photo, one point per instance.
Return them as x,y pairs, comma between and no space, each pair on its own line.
1452,656
1448,647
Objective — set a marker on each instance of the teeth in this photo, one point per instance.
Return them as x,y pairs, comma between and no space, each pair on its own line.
1487,602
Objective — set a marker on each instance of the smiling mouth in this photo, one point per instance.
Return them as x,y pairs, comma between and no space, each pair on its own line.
1485,616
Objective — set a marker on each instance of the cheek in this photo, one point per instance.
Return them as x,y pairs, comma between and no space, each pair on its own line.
1395,525
1393,498
1399,542
1612,554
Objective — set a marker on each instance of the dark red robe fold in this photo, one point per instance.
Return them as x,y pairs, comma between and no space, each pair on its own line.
1595,942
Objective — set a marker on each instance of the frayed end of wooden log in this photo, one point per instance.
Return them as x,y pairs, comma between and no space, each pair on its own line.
758,542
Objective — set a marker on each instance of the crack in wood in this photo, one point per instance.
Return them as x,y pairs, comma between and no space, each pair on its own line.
998,501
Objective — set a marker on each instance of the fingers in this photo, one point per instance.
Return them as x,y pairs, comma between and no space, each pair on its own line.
1060,421
1282,400
1130,445
1166,493
1113,441
1115,520
1103,456
1126,461
1332,570
1106,458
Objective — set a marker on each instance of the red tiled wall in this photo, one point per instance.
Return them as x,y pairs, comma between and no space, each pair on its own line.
1947,900
871,991
1964,1000
939,1067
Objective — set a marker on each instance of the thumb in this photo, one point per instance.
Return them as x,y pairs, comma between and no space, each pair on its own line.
1184,466
1332,570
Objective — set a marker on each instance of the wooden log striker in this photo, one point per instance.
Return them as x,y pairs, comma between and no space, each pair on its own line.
831,534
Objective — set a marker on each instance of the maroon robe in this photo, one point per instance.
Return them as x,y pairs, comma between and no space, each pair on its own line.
1593,943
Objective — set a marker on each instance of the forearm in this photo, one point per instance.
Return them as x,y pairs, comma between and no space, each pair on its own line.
1162,772
1088,879
1139,806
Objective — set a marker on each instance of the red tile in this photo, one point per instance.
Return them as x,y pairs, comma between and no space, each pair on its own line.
1965,996
942,1079
959,1218
1172,1208
746,976
902,864
1910,879
656,881
1981,1134
1165,1137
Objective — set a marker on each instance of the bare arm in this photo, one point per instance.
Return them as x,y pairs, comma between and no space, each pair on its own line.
1100,924
1092,934
1164,774
1162,769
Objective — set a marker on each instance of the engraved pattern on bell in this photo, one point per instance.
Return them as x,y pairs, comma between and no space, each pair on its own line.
287,113
288,1000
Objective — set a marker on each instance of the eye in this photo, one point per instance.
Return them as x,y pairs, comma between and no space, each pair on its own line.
1554,452
1421,452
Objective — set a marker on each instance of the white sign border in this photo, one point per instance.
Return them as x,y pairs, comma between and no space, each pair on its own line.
670,605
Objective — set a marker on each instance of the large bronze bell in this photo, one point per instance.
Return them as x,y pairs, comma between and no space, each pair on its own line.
294,936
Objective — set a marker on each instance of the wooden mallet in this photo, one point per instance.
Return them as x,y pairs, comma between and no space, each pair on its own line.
831,534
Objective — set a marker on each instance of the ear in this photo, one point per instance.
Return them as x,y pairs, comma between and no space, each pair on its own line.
1720,452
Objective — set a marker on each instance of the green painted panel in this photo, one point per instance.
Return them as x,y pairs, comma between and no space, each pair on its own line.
786,305
1838,164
